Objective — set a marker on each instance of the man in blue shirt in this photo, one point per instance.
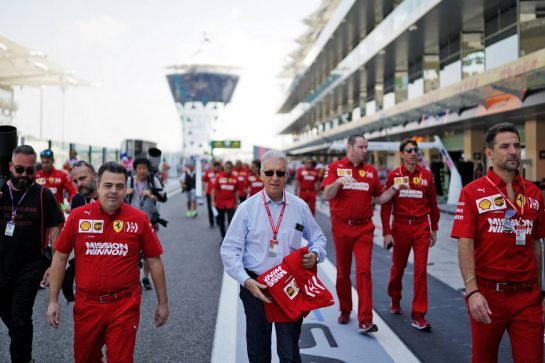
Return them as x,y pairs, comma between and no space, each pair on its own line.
266,228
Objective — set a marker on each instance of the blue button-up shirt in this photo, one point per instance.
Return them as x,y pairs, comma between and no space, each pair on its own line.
245,245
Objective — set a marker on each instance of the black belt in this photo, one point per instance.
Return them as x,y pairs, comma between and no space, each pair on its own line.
410,220
107,298
506,286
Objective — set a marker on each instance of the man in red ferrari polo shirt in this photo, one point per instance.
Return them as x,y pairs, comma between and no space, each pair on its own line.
242,175
56,180
107,237
254,179
350,185
306,184
208,179
224,195
416,216
498,223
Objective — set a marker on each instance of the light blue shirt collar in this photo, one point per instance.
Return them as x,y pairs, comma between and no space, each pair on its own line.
269,200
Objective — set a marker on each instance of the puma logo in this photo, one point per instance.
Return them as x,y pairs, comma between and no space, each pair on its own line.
481,190
88,212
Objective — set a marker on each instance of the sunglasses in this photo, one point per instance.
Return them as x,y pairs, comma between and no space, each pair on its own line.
84,163
21,169
410,151
46,153
279,173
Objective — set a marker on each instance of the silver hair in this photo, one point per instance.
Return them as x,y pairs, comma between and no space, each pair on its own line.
273,154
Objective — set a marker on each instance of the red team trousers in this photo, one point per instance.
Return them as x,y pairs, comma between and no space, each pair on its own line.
113,324
417,237
521,314
309,196
357,239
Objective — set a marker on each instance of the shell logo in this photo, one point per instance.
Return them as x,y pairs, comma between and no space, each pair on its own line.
485,204
85,226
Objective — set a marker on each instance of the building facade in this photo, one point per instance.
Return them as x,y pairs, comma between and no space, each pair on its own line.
392,69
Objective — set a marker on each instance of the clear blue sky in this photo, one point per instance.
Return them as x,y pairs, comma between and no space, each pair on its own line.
126,45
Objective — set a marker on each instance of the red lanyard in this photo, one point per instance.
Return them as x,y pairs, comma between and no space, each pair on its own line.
419,178
522,202
274,229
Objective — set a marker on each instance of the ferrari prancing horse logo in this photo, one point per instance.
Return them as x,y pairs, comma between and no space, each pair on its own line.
118,226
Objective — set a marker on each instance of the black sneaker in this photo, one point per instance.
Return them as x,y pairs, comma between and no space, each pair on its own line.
146,283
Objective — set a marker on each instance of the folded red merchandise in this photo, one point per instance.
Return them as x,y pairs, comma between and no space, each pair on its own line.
295,290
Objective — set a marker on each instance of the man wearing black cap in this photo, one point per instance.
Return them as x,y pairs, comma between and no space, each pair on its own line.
56,180
27,211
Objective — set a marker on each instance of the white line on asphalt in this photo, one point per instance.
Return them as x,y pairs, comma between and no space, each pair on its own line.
225,337
389,340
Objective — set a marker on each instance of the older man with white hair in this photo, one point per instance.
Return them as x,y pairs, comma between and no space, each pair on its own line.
265,229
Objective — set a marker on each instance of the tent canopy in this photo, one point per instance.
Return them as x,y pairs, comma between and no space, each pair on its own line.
20,66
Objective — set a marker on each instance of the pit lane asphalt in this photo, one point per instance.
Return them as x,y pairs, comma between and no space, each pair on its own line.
194,275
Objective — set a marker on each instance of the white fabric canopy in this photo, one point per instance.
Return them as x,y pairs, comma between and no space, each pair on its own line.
20,66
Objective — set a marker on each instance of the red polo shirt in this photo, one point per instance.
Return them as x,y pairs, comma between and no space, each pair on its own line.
226,190
481,215
256,184
107,248
57,181
209,178
242,176
419,201
353,201
307,178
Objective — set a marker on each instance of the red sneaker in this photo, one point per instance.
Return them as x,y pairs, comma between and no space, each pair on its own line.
395,308
344,318
367,327
421,324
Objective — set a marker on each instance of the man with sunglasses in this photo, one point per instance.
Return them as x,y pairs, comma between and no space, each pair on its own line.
84,178
56,180
27,212
267,227
498,223
416,217
351,185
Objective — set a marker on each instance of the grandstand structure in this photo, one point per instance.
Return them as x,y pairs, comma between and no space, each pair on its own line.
391,69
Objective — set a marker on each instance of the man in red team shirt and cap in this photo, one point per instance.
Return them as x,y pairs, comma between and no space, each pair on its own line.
56,180
351,185
416,216
498,223
107,237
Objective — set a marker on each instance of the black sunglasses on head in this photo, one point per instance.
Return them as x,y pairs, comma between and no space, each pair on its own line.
84,163
21,169
279,173
46,153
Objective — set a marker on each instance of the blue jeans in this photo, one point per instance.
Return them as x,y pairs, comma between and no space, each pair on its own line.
258,333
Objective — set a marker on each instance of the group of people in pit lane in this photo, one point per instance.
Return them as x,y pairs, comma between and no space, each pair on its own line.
226,186
499,221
